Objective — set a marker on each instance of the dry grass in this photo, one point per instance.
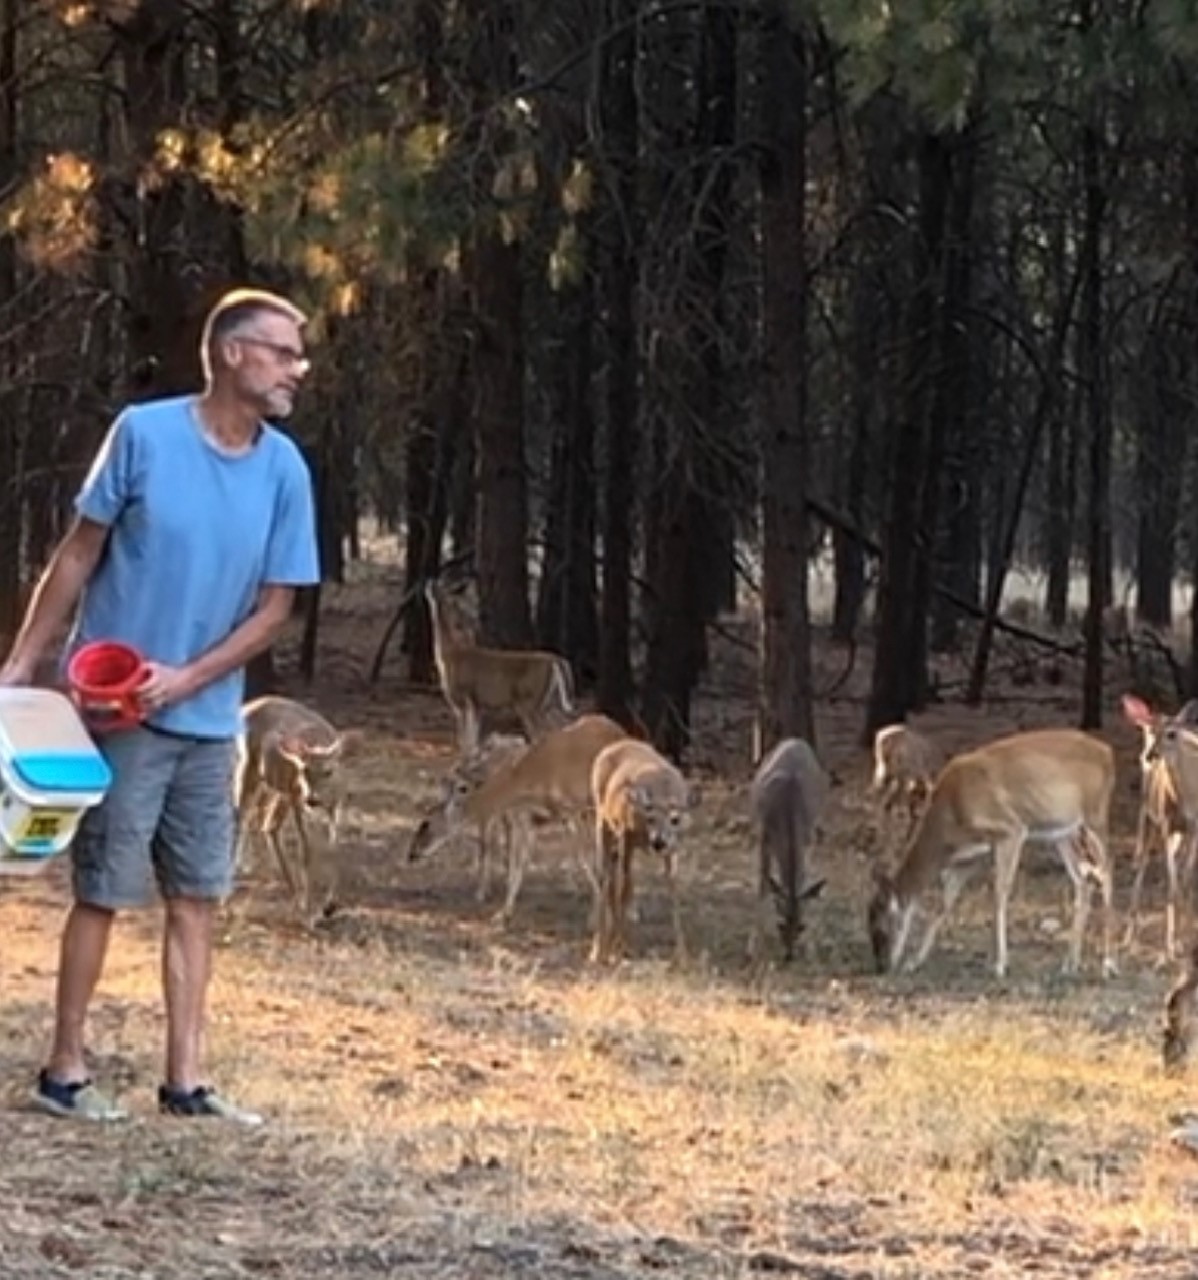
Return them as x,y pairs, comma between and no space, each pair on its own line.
448,1099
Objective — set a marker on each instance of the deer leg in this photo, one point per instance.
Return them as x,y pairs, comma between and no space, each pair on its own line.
1068,850
1140,862
469,728
680,951
304,865
272,824
246,791
952,881
622,893
1185,852
764,907
604,859
519,838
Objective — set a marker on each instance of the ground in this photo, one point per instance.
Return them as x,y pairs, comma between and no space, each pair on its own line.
447,1098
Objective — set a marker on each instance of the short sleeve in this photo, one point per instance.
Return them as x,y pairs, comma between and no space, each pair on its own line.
109,483
292,558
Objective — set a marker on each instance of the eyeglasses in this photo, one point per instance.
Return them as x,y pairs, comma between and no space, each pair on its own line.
284,354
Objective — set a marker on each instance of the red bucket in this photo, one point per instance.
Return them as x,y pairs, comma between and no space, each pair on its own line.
104,677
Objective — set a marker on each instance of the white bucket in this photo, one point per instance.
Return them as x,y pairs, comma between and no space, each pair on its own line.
50,774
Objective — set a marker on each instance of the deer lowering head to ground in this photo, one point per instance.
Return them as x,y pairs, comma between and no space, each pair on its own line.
786,796
496,752
1051,785
535,686
1168,807
643,803
290,761
905,766
551,777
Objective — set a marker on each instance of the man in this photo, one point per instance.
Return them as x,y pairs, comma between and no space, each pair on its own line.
192,531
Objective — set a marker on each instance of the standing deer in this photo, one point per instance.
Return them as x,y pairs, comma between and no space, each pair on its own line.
534,685
552,776
786,796
1168,808
905,766
290,761
1052,785
641,802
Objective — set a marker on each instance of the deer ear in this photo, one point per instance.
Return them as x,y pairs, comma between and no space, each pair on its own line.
293,748
636,795
1137,710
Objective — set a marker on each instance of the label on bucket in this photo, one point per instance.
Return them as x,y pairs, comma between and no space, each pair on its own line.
41,829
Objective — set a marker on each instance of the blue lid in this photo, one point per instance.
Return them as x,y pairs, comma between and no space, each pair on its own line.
74,771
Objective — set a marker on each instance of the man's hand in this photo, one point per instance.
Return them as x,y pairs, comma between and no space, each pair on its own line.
164,686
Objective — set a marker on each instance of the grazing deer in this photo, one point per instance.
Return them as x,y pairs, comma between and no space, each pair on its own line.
905,766
641,802
786,796
1181,1016
1052,785
552,776
290,759
1168,807
496,752
534,685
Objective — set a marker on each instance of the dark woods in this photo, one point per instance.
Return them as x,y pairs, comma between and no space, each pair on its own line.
644,310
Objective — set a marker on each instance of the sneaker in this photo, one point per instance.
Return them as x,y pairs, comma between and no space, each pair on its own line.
203,1102
77,1099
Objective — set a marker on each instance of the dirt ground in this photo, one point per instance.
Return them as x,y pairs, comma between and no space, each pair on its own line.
449,1098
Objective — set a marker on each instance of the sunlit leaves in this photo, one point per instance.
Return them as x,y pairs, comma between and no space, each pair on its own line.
54,215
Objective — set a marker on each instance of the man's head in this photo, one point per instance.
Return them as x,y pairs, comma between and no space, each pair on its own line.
252,346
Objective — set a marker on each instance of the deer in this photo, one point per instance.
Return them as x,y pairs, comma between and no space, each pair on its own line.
786,796
289,761
496,752
551,776
533,684
1050,785
905,766
1168,808
1181,1017
642,802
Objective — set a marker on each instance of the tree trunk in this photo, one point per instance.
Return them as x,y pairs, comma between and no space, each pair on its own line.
618,235
566,618
899,672
1092,365
11,463
784,701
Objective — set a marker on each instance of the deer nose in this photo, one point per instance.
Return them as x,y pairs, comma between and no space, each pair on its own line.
658,842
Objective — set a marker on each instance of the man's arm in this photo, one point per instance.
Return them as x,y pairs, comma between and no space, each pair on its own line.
258,632
55,596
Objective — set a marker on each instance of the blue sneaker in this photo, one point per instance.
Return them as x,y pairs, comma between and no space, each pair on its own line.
203,1102
78,1099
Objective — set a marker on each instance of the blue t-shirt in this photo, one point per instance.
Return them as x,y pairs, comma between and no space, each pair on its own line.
195,534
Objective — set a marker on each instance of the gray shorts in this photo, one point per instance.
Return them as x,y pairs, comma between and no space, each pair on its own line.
169,811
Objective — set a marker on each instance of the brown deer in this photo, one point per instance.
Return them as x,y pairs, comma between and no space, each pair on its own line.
551,777
290,762
1051,785
787,795
535,686
1163,819
905,766
641,802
